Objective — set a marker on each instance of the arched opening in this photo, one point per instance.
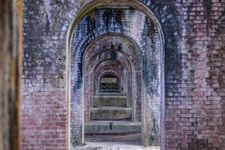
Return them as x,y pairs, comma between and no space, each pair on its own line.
109,83
112,112
147,104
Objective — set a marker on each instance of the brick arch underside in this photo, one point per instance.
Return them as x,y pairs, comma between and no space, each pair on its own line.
145,34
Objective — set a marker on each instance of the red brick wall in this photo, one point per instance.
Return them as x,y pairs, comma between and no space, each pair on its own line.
195,108
44,106
194,68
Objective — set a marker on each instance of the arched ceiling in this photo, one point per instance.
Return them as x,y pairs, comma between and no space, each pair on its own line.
139,27
125,21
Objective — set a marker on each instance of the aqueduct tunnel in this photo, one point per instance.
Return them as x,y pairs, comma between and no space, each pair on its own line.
142,71
116,63
112,87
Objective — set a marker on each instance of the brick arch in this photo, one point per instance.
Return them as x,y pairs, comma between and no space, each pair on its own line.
101,72
158,94
126,64
108,72
90,61
122,56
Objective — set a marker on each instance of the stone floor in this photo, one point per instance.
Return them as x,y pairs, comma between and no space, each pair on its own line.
132,137
113,146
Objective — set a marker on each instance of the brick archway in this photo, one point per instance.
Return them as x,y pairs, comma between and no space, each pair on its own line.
154,79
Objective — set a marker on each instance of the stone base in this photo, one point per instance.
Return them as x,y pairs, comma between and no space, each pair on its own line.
111,113
110,100
117,127
134,138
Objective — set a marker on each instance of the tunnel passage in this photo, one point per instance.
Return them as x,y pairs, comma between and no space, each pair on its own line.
125,44
112,99
109,83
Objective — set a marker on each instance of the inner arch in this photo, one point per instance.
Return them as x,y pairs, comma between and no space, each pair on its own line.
153,55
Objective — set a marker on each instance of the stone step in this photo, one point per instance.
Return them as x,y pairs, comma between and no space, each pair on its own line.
109,100
110,90
110,94
112,127
111,113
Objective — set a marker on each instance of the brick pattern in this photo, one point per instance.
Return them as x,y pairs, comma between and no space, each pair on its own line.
194,67
44,105
194,110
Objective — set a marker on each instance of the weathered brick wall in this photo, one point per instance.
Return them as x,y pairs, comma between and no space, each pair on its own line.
194,66
44,74
194,109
